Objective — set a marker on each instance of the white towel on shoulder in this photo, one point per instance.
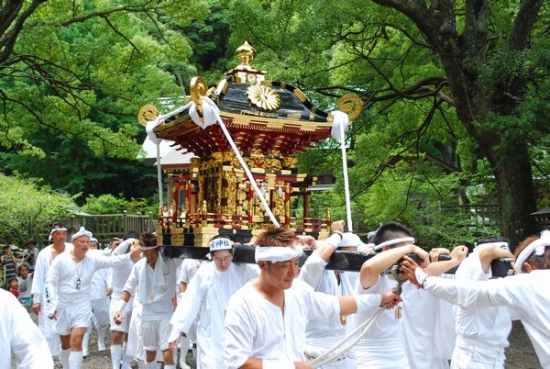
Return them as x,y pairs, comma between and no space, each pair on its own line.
158,286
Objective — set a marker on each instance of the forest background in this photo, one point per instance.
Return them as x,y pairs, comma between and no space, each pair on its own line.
455,92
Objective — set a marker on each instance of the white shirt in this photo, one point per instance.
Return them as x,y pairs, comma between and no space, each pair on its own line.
43,262
486,328
420,312
100,282
323,334
25,286
188,269
69,282
256,328
527,294
158,303
41,268
20,337
382,347
206,297
120,274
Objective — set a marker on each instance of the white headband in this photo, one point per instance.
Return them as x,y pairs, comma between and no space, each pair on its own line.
277,253
58,229
502,244
395,241
538,246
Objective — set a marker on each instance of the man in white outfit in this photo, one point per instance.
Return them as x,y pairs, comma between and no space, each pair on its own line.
265,322
119,276
205,300
44,260
527,292
68,287
383,346
322,335
188,269
153,283
20,337
482,334
100,299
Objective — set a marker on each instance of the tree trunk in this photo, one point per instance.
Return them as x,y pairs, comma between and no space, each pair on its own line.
516,193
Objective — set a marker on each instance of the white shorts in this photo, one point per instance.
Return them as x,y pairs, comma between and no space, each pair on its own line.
155,334
126,316
476,358
100,309
73,317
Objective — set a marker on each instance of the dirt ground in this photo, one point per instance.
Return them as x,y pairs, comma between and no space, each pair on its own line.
520,354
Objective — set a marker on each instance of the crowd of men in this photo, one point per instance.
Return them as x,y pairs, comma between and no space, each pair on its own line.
405,308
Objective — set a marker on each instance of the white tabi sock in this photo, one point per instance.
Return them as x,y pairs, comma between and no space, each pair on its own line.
64,357
101,332
169,366
184,348
126,361
86,344
151,365
116,356
141,364
75,360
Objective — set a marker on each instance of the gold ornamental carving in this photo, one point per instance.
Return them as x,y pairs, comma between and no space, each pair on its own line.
263,98
351,104
289,162
198,89
147,113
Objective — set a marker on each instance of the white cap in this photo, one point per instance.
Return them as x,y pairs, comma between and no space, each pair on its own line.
81,232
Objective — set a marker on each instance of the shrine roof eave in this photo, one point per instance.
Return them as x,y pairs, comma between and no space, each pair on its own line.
267,135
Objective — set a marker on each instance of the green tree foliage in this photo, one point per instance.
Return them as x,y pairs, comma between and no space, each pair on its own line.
73,76
28,210
110,204
457,83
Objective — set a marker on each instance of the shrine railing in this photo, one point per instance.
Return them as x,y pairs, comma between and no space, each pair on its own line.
106,226
476,215
231,221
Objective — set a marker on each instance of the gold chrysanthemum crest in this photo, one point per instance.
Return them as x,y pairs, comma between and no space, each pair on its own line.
263,98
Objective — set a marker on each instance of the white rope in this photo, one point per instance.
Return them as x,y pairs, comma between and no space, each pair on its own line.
336,352
339,349
340,124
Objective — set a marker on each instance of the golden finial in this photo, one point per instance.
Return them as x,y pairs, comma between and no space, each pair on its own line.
245,53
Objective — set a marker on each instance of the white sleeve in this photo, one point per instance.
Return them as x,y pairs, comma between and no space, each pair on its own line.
184,273
39,278
102,261
29,347
470,294
51,285
132,281
190,305
124,246
312,270
240,328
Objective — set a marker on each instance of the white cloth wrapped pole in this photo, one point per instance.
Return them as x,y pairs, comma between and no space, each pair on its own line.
153,137
339,126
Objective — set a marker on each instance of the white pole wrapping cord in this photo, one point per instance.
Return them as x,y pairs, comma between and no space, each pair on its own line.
159,178
211,114
340,124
